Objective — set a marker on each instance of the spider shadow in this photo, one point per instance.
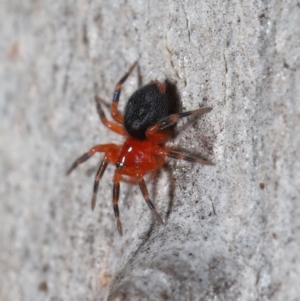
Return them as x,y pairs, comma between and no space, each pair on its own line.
173,97
175,106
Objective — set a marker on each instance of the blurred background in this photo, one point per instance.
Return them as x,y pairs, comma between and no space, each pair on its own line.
232,230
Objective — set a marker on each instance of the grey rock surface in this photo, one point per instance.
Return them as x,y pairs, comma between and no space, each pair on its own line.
232,231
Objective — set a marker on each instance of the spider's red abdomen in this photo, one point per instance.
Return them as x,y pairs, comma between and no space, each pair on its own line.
137,156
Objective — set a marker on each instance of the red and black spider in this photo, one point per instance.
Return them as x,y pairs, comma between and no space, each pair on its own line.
145,127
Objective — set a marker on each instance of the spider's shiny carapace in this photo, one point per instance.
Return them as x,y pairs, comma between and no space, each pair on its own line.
145,126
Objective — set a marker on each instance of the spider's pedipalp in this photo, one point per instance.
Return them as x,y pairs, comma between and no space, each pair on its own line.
114,106
112,126
97,179
145,193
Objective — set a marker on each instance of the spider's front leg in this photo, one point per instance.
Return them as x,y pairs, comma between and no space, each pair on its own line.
98,176
116,192
101,148
145,193
111,154
116,189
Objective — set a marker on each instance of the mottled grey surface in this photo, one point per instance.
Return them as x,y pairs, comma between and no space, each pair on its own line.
241,58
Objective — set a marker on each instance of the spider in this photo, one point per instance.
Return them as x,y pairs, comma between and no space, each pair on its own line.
146,128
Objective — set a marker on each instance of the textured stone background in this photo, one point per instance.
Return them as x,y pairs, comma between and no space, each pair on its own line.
241,58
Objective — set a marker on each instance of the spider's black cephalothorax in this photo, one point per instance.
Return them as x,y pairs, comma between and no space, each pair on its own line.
147,106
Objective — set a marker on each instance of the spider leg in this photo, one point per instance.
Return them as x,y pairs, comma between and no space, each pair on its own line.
145,193
112,126
96,149
116,192
161,86
180,156
114,106
98,176
172,119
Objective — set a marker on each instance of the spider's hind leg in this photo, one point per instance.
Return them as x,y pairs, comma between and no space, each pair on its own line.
172,119
117,128
180,156
114,106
